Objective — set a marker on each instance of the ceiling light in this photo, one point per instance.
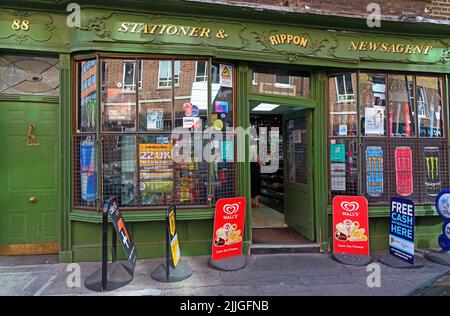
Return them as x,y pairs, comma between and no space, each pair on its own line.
265,107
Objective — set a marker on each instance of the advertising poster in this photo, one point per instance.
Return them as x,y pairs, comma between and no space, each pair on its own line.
403,171
374,170
226,75
173,237
337,152
337,173
155,119
192,122
155,156
122,231
401,231
442,204
374,121
228,228
228,150
432,178
350,225
221,106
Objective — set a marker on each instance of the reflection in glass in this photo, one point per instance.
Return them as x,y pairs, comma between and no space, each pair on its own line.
373,104
118,101
87,95
401,102
342,105
155,105
429,106
280,81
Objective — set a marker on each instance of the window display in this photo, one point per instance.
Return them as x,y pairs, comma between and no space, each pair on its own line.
343,111
403,149
155,95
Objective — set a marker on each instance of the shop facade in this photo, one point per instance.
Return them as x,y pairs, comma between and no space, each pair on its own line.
89,111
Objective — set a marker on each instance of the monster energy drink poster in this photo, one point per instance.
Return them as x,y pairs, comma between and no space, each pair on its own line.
431,167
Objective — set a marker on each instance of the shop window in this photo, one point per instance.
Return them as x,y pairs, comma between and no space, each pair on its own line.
165,73
280,81
402,150
129,76
201,72
137,165
343,115
345,88
31,75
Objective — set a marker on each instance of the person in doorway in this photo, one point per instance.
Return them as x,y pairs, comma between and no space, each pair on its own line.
255,173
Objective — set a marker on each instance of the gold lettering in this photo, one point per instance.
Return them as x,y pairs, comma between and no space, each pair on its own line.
135,25
163,29
384,47
153,28
290,37
184,30
373,46
124,27
304,42
172,30
353,46
391,49
362,45
194,31
278,39
283,38
205,32
399,48
273,40
408,49
297,40
427,50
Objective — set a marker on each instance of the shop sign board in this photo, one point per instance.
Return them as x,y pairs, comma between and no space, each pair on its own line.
173,236
122,231
350,225
228,228
401,229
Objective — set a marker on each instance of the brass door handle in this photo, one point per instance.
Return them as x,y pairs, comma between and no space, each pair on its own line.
30,134
32,199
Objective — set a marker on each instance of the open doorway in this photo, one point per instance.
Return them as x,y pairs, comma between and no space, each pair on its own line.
282,209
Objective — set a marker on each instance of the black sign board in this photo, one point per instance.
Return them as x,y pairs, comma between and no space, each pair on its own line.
122,231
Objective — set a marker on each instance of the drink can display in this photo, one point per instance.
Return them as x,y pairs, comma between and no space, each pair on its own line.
403,171
374,170
431,167
88,171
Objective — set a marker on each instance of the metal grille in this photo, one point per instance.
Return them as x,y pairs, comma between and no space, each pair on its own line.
84,172
344,158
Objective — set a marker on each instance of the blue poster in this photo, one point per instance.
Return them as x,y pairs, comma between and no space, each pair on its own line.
401,229
442,204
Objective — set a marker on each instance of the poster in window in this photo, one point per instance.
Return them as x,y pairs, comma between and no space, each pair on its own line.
337,175
403,171
374,170
155,119
337,152
432,177
374,121
226,76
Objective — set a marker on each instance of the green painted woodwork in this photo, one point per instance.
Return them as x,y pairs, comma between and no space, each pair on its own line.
298,197
29,171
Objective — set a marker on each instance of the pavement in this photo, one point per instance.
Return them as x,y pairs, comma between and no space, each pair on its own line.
265,275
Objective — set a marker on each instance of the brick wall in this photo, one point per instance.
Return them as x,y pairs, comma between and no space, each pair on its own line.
432,9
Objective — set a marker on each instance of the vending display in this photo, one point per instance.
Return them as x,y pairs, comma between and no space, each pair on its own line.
88,170
374,170
431,168
404,171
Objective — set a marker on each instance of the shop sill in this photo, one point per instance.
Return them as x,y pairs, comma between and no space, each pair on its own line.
383,211
142,216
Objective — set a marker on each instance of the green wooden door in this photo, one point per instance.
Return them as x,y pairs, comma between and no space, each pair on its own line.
29,182
298,174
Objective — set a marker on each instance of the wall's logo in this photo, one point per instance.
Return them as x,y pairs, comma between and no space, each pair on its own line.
230,209
350,206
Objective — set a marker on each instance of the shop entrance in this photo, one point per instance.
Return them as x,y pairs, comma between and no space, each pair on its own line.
29,155
285,214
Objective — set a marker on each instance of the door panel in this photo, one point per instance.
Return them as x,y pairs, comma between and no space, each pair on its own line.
298,184
29,172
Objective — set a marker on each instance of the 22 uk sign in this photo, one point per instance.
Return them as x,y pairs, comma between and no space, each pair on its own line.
228,228
350,225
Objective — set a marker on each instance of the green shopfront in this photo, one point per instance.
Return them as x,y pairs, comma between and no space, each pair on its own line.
87,113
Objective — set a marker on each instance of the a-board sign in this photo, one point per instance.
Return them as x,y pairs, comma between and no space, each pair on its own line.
401,229
228,228
122,231
442,204
173,236
350,225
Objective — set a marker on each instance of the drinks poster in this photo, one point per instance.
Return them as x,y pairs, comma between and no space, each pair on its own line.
350,225
228,228
403,171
